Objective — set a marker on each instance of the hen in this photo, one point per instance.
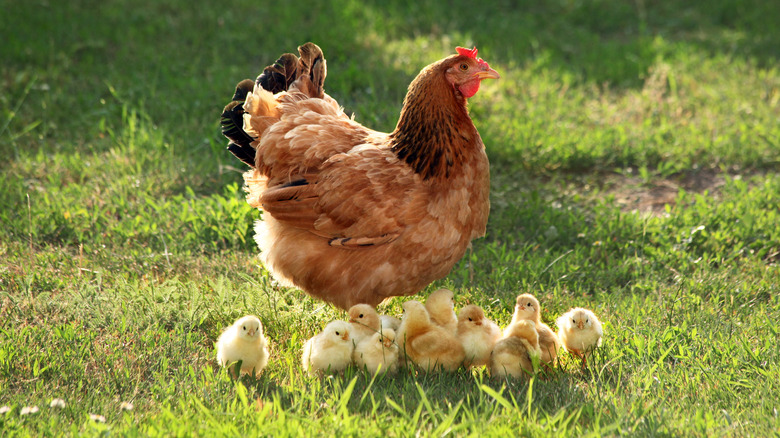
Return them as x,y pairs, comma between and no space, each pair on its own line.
352,215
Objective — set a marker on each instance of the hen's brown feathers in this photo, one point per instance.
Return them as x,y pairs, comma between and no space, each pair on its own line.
355,215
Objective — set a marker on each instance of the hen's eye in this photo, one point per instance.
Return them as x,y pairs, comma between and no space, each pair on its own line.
464,67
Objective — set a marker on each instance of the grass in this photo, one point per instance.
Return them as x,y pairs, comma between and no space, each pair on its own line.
126,246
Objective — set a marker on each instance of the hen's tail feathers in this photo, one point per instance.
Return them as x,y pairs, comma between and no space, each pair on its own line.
306,74
233,121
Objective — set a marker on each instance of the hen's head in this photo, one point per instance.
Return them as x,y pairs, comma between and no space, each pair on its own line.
465,71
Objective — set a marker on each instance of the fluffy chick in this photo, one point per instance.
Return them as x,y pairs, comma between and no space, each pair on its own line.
527,309
515,354
364,320
426,344
441,308
580,332
244,341
377,353
329,351
477,334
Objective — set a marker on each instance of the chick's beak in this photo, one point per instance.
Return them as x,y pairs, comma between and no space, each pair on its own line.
345,336
487,74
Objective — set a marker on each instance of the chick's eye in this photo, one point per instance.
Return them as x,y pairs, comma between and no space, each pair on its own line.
574,321
464,67
360,316
244,327
337,333
470,319
529,304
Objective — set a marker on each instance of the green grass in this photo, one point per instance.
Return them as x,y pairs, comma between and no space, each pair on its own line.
126,245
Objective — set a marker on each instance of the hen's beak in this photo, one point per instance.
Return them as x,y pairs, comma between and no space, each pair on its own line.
487,74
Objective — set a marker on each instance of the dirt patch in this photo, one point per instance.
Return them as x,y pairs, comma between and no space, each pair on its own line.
635,194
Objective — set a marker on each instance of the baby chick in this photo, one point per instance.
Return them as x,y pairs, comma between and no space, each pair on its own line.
527,308
244,341
441,308
364,320
426,344
580,332
516,353
477,334
329,351
378,352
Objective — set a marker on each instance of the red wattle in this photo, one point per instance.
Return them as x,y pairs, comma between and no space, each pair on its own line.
469,88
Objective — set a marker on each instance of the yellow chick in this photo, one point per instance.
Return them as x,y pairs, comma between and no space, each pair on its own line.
477,334
515,354
426,344
364,320
441,309
580,332
377,353
527,309
329,351
244,341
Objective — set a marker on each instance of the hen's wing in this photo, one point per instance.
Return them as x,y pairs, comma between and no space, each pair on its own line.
358,199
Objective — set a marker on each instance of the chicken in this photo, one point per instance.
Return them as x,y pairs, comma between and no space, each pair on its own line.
426,344
377,353
527,308
352,215
477,334
517,353
330,351
580,332
364,320
441,309
244,341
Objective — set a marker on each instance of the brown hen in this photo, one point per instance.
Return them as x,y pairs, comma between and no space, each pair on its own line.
352,215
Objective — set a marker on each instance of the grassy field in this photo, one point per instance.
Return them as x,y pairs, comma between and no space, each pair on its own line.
634,146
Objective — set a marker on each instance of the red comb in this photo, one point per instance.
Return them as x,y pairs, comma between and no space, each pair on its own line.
471,53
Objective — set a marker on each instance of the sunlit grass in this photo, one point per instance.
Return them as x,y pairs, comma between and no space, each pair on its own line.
126,245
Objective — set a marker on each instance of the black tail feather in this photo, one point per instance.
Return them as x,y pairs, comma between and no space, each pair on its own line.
280,75
233,124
